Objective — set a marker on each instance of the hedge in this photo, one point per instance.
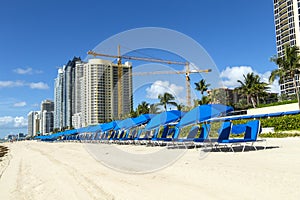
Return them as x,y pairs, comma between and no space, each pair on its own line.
283,123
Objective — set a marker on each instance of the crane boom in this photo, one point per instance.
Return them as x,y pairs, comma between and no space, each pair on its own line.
169,72
187,72
138,58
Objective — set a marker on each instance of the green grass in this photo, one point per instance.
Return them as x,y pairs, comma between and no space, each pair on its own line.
278,135
277,103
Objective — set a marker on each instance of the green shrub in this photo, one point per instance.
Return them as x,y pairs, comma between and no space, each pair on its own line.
283,123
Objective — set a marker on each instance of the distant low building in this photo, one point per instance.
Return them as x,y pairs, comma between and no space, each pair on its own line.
232,97
224,96
21,136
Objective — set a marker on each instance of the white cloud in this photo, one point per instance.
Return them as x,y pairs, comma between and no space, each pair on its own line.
39,85
9,122
20,122
231,75
6,120
20,104
4,84
28,70
274,87
23,71
10,84
160,87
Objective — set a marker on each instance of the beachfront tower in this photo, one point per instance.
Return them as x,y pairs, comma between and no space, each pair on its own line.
33,123
46,119
287,14
99,102
58,98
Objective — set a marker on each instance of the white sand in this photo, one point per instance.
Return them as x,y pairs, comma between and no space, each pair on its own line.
39,170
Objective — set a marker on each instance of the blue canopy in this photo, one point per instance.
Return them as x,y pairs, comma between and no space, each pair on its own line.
143,119
124,124
83,129
133,122
105,127
164,118
203,113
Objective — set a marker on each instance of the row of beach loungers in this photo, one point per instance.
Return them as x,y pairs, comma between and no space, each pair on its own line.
165,129
197,136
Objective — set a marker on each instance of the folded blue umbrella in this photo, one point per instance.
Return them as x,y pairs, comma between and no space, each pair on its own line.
164,118
203,113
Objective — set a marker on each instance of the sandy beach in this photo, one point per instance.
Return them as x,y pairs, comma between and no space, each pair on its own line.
39,170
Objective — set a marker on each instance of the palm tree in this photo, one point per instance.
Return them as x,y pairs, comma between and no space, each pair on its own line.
288,67
143,108
252,88
180,106
166,99
202,86
204,100
154,108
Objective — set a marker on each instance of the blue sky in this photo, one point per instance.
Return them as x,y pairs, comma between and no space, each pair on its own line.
37,37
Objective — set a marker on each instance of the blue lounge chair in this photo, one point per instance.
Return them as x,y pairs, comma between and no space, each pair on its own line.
149,136
205,129
129,136
252,129
191,135
146,137
224,131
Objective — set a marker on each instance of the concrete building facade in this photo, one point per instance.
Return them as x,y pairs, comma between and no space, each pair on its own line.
287,18
58,98
99,102
47,117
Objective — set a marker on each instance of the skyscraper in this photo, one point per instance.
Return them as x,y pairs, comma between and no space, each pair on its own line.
46,119
67,93
58,98
99,102
68,103
31,130
287,14
76,117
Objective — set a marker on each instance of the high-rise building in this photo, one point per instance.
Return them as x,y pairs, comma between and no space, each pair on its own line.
37,123
78,82
58,98
33,123
46,118
67,95
99,91
47,121
68,103
30,126
287,14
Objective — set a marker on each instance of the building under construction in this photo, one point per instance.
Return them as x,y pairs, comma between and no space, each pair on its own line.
99,90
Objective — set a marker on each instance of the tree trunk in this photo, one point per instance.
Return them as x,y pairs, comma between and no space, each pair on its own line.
253,102
297,91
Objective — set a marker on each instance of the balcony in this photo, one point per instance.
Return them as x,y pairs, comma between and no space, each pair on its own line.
282,3
282,11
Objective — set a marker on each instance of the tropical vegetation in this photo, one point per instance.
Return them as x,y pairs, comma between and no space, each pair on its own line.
288,67
252,88
166,99
202,86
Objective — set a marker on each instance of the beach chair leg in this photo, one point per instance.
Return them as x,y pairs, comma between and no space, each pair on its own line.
244,146
254,146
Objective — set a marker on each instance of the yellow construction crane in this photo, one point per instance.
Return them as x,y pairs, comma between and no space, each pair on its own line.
119,57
